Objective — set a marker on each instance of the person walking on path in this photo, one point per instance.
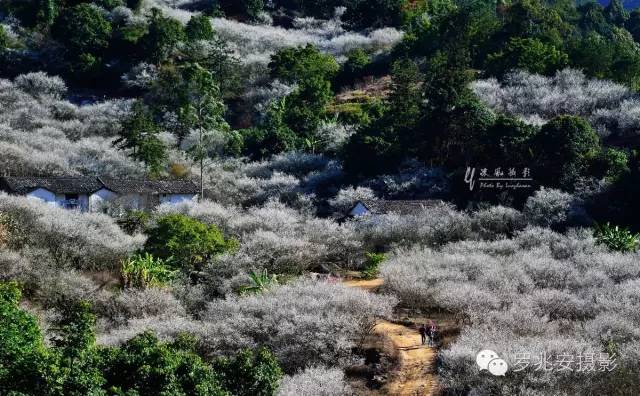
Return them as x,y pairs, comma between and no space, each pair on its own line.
432,333
423,333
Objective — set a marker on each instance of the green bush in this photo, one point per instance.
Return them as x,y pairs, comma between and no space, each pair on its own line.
303,63
564,149
372,265
199,28
74,365
610,163
529,54
83,29
260,282
357,62
145,271
134,221
22,351
184,242
162,37
249,373
146,366
616,238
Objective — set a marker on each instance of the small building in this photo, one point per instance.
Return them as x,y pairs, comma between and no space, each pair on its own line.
142,194
379,207
65,192
95,193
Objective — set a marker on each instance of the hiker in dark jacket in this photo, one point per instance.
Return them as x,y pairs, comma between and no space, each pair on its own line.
423,333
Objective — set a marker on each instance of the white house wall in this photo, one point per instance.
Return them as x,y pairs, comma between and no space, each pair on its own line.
43,195
99,198
95,201
54,199
83,199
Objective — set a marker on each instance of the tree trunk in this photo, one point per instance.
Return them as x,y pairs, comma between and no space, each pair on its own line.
201,178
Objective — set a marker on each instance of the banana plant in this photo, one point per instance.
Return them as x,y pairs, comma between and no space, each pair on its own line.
260,282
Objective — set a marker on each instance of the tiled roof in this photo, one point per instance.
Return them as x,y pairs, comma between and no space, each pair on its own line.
58,185
88,185
124,186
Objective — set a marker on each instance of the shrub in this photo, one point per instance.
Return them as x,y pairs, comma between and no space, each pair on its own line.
144,271
22,350
256,43
317,381
303,323
134,221
496,222
41,85
432,226
357,61
611,108
185,242
347,197
74,364
372,265
83,28
44,135
303,63
8,231
145,365
549,208
71,238
564,149
199,28
249,373
162,37
616,238
527,53
260,282
120,308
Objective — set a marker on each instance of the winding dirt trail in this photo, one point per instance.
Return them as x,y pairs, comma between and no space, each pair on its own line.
415,372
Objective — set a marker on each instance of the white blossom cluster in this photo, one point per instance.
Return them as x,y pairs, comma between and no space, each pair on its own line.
611,108
305,323
539,292
43,134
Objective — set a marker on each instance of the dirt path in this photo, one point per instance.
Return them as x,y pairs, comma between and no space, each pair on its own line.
414,374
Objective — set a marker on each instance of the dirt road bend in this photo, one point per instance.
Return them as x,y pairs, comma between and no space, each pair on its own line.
414,374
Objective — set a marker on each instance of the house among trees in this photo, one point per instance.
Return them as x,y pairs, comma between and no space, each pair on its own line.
378,207
92,194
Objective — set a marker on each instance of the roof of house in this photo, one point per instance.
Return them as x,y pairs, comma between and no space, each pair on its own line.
88,185
128,186
58,185
401,207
